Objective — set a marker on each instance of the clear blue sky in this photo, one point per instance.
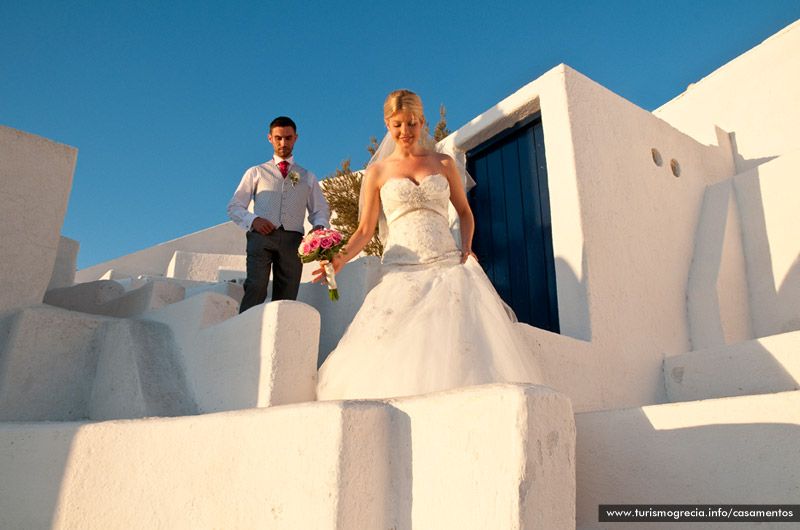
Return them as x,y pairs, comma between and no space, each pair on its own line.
169,102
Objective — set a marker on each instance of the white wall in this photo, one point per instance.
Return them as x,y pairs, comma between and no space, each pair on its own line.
754,97
35,181
623,226
639,222
226,238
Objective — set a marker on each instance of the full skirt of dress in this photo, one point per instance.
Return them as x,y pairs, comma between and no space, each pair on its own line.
426,328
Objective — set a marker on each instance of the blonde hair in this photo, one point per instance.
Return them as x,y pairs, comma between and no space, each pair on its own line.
403,100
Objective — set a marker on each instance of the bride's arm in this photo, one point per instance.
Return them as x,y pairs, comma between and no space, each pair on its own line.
459,199
366,226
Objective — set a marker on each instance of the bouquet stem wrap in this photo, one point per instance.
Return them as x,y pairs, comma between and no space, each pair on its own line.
330,276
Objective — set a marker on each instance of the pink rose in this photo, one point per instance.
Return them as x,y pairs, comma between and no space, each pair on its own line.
314,243
306,249
326,242
337,238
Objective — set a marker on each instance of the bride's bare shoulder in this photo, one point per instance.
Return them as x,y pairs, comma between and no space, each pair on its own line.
375,175
440,158
445,161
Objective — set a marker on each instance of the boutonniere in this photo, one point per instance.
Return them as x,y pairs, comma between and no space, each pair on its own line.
294,177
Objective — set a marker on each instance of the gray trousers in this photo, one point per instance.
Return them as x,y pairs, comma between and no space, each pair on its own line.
276,251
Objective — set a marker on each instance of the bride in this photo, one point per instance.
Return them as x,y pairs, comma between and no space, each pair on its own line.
434,321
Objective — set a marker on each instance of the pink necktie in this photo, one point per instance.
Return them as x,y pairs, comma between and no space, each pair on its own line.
283,165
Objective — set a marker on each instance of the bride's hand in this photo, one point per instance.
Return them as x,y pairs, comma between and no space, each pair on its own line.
319,274
466,253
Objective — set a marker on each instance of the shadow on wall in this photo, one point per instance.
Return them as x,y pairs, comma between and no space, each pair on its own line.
401,468
789,297
741,163
31,501
774,310
574,316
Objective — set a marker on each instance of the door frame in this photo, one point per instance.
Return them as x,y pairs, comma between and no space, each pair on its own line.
541,183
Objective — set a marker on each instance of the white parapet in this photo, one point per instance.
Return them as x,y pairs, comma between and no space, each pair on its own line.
234,290
571,366
490,456
98,298
85,297
64,365
740,450
263,357
496,456
35,180
185,358
760,366
64,268
202,266
226,238
47,364
193,287
317,466
138,373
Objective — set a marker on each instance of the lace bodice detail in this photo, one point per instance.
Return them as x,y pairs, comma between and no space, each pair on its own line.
417,216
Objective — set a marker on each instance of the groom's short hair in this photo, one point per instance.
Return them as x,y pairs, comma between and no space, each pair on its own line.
282,121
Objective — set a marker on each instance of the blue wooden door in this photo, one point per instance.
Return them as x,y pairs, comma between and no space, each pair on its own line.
513,237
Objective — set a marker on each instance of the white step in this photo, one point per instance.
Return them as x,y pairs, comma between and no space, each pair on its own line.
760,366
264,357
193,356
738,450
493,456
109,298
64,365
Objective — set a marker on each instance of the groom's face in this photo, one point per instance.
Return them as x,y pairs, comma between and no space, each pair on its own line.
282,140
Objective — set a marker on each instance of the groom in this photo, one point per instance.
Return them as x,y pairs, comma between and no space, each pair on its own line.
281,192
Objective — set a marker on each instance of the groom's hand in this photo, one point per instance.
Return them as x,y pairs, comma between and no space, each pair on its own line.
262,226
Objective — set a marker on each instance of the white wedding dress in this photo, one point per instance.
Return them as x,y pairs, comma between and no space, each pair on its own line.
431,323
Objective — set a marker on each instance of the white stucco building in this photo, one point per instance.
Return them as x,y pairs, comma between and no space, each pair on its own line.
133,395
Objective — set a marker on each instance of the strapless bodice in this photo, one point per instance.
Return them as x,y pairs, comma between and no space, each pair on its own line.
417,217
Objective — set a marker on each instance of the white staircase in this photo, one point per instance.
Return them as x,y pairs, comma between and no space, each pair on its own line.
493,456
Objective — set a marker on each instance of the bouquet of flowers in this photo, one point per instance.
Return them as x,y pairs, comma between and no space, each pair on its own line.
323,244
